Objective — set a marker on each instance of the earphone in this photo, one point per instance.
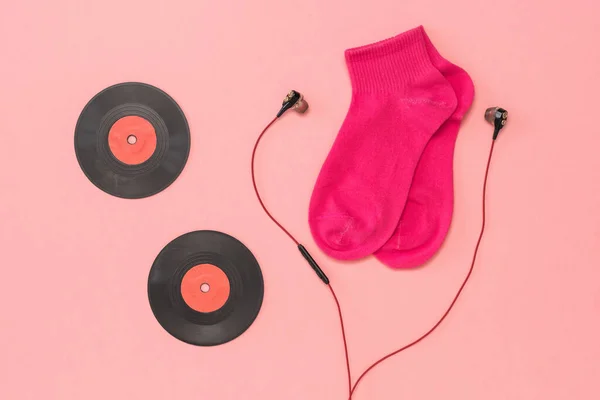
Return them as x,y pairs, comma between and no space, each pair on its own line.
293,100
496,116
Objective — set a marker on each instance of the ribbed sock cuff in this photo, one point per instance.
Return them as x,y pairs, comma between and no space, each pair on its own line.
389,65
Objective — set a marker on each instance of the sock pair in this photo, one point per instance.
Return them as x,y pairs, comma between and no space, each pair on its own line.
386,186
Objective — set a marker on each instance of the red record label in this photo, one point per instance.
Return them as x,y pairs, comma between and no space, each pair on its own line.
132,140
205,288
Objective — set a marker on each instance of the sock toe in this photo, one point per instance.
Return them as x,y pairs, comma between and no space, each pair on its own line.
342,236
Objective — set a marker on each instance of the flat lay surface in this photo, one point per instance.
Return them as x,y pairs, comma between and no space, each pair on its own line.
75,322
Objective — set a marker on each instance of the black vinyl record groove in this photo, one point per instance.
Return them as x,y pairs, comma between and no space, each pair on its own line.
225,253
100,165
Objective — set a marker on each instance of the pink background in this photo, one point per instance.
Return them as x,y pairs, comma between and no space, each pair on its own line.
75,320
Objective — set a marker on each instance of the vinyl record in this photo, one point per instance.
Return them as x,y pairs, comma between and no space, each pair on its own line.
132,140
205,288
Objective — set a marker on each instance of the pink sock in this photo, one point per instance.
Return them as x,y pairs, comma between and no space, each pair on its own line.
428,212
399,99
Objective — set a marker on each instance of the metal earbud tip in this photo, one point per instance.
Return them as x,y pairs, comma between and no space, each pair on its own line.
301,106
490,114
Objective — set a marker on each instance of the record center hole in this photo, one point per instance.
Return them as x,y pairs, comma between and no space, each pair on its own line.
204,288
131,139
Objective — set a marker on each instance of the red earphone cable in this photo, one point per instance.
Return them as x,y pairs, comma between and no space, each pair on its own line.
487,169
297,243
339,308
351,388
256,188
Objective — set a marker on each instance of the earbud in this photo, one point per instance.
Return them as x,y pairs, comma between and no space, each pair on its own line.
293,100
496,116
